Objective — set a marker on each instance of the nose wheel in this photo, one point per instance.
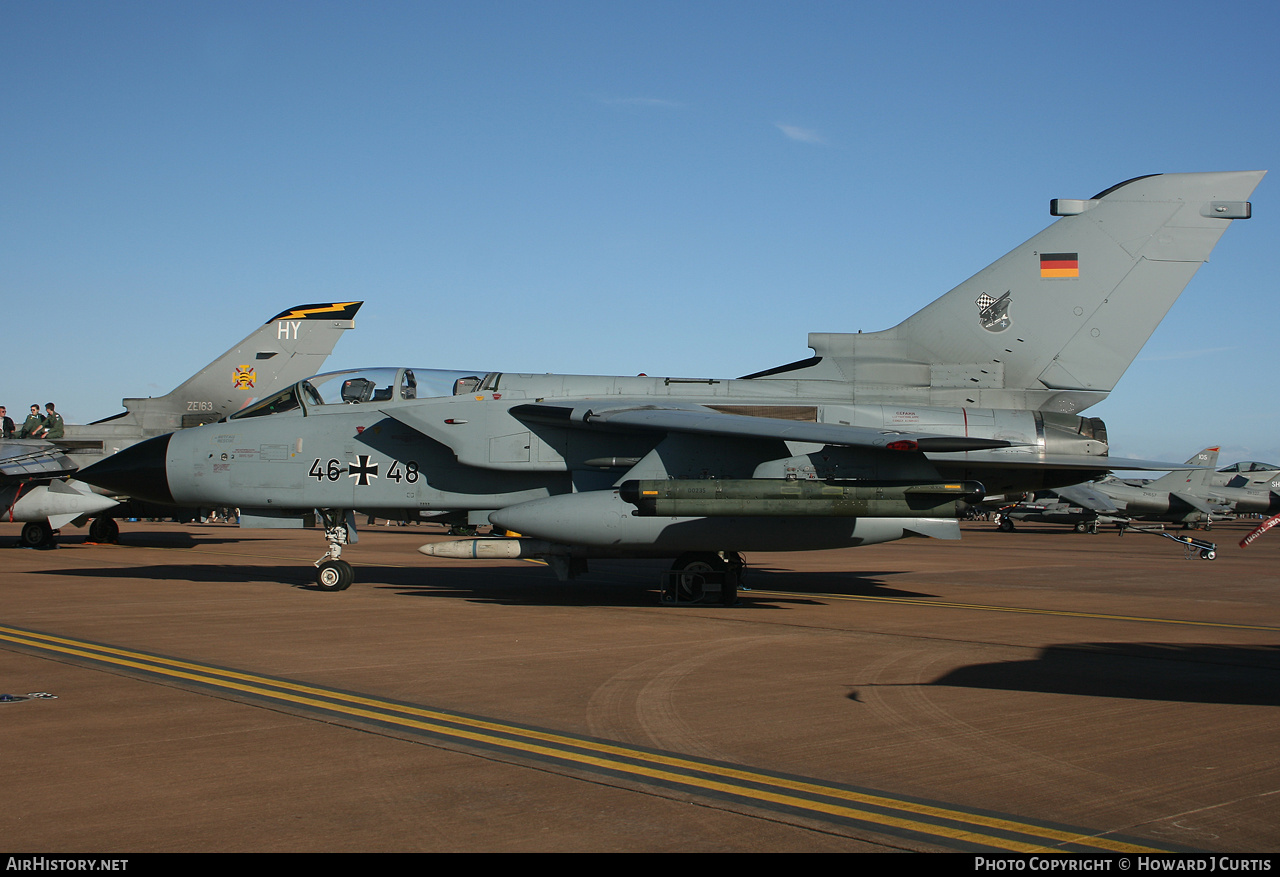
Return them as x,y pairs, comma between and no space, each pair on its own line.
332,572
334,575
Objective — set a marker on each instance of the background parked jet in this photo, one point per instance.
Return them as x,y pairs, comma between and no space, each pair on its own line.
1188,496
1243,495
32,490
1085,510
1247,474
876,437
290,346
1176,498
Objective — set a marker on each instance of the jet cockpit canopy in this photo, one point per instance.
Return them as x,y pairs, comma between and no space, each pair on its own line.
1250,466
367,386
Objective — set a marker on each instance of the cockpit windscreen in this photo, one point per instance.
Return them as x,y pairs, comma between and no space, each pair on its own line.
368,386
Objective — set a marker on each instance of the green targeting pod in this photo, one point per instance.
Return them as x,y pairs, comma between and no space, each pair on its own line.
776,497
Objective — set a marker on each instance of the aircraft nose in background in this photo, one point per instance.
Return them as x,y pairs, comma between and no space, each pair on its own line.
137,471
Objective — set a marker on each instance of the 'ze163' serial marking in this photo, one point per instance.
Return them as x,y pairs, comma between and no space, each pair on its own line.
363,470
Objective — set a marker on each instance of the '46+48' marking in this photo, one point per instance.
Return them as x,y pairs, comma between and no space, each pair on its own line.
363,470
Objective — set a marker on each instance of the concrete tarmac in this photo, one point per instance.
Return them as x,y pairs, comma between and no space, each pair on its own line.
1041,689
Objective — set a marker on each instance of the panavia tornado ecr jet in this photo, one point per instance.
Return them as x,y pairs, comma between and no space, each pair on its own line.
875,437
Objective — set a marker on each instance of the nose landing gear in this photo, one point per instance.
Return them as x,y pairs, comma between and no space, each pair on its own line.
332,572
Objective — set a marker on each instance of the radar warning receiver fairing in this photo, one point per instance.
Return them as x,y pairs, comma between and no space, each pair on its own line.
875,437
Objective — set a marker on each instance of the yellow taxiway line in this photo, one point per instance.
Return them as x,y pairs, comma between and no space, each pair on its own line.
779,793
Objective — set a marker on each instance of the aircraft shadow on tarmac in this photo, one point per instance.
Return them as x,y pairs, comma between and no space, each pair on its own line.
210,574
633,584
145,539
846,583
516,586
1180,672
628,584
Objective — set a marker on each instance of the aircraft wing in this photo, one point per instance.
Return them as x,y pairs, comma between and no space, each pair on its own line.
967,450
1027,457
30,460
1088,498
704,421
1197,503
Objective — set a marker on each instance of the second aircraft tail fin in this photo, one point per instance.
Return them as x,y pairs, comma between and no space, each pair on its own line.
1179,478
292,345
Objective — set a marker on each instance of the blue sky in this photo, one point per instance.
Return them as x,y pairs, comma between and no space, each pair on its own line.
669,188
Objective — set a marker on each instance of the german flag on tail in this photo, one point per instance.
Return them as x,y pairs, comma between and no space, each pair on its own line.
1059,265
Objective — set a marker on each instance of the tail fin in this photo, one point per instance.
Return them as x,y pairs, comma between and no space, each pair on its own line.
290,346
1055,323
1179,478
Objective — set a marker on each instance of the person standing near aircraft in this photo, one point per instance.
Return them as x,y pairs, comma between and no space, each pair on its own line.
6,424
33,426
53,426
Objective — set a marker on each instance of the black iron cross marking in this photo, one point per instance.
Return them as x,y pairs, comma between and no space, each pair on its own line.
363,471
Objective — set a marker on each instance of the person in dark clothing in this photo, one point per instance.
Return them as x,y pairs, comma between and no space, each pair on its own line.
7,428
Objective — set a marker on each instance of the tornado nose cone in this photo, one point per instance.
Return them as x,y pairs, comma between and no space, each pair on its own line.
137,471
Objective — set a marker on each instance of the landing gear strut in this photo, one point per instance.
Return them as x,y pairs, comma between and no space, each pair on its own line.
332,572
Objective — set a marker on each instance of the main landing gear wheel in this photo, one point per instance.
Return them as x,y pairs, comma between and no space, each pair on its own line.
696,570
693,571
37,534
334,575
104,530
